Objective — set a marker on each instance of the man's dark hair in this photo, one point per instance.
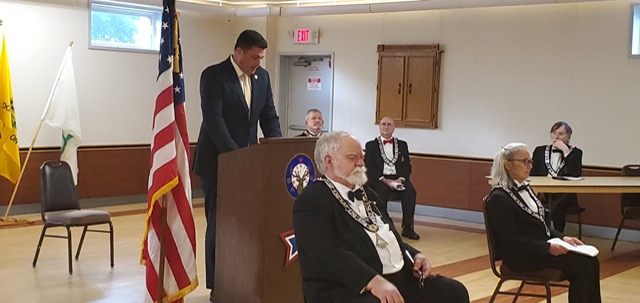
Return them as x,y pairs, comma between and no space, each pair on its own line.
561,124
249,39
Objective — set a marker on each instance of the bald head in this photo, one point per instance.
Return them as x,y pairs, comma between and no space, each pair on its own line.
387,127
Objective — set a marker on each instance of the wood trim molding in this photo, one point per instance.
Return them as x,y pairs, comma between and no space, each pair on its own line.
441,180
104,171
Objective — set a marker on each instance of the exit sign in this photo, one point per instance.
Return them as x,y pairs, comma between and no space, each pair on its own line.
305,36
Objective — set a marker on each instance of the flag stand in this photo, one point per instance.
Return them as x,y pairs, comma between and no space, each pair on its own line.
163,223
5,220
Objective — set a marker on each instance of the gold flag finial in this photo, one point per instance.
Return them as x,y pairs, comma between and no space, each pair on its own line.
70,43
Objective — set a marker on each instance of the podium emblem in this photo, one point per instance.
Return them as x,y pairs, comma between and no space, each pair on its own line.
300,172
289,239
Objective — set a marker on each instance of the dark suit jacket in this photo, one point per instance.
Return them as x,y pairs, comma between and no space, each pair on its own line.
227,122
572,163
521,237
337,258
375,164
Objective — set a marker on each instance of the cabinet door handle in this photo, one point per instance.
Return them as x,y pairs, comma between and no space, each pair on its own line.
410,88
399,88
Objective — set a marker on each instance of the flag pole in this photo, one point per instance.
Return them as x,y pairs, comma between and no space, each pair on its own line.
163,223
33,141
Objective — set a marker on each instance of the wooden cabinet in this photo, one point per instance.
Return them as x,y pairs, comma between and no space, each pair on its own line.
408,84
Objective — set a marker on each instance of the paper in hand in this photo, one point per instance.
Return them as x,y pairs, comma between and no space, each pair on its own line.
397,186
587,250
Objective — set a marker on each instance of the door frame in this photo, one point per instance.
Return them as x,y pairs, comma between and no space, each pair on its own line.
283,91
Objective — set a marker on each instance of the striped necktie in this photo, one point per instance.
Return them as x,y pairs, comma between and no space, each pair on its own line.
246,86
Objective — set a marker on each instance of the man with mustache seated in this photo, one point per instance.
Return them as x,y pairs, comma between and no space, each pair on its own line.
349,249
314,124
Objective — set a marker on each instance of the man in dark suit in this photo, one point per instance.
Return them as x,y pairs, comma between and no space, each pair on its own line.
235,94
349,250
559,159
389,169
314,124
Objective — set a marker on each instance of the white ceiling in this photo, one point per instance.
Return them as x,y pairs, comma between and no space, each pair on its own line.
260,8
255,8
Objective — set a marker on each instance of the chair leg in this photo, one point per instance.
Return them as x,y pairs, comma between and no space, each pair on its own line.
615,239
111,241
35,257
580,226
515,297
495,292
69,249
84,232
548,292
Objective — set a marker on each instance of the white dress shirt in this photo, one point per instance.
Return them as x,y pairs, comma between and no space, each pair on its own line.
554,160
526,196
245,82
390,256
388,151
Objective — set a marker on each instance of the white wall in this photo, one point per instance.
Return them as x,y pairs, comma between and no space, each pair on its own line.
508,73
116,90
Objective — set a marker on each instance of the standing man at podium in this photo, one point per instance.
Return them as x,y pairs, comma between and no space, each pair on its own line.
235,94
349,249
314,124
389,169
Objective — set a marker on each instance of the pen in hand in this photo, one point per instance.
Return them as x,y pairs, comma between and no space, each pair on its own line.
420,273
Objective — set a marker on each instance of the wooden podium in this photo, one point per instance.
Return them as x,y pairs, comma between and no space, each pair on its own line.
254,208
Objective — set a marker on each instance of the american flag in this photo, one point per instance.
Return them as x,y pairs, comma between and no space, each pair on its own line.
169,181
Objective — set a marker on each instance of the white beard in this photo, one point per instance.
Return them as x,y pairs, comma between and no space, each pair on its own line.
357,177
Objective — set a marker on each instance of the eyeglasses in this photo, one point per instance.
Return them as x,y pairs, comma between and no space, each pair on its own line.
526,162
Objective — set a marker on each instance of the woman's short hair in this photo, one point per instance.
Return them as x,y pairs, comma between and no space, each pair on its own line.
327,145
499,174
561,124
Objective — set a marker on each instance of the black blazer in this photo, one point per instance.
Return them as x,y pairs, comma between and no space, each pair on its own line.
572,163
227,122
375,164
521,237
337,257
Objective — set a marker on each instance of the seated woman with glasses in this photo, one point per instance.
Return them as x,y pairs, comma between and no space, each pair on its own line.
517,217
558,159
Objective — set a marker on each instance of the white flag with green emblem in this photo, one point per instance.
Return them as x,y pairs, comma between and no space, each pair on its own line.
62,112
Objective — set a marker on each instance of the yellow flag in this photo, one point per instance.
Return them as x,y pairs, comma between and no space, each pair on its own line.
9,152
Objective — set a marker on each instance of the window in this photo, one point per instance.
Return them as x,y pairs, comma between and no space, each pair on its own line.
635,31
122,26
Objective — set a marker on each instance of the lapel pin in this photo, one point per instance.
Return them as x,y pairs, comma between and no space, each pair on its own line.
255,77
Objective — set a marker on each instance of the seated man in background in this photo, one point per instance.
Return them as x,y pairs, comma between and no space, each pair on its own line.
389,169
349,249
559,159
314,124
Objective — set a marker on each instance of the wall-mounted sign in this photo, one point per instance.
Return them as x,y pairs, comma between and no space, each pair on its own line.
305,36
314,83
